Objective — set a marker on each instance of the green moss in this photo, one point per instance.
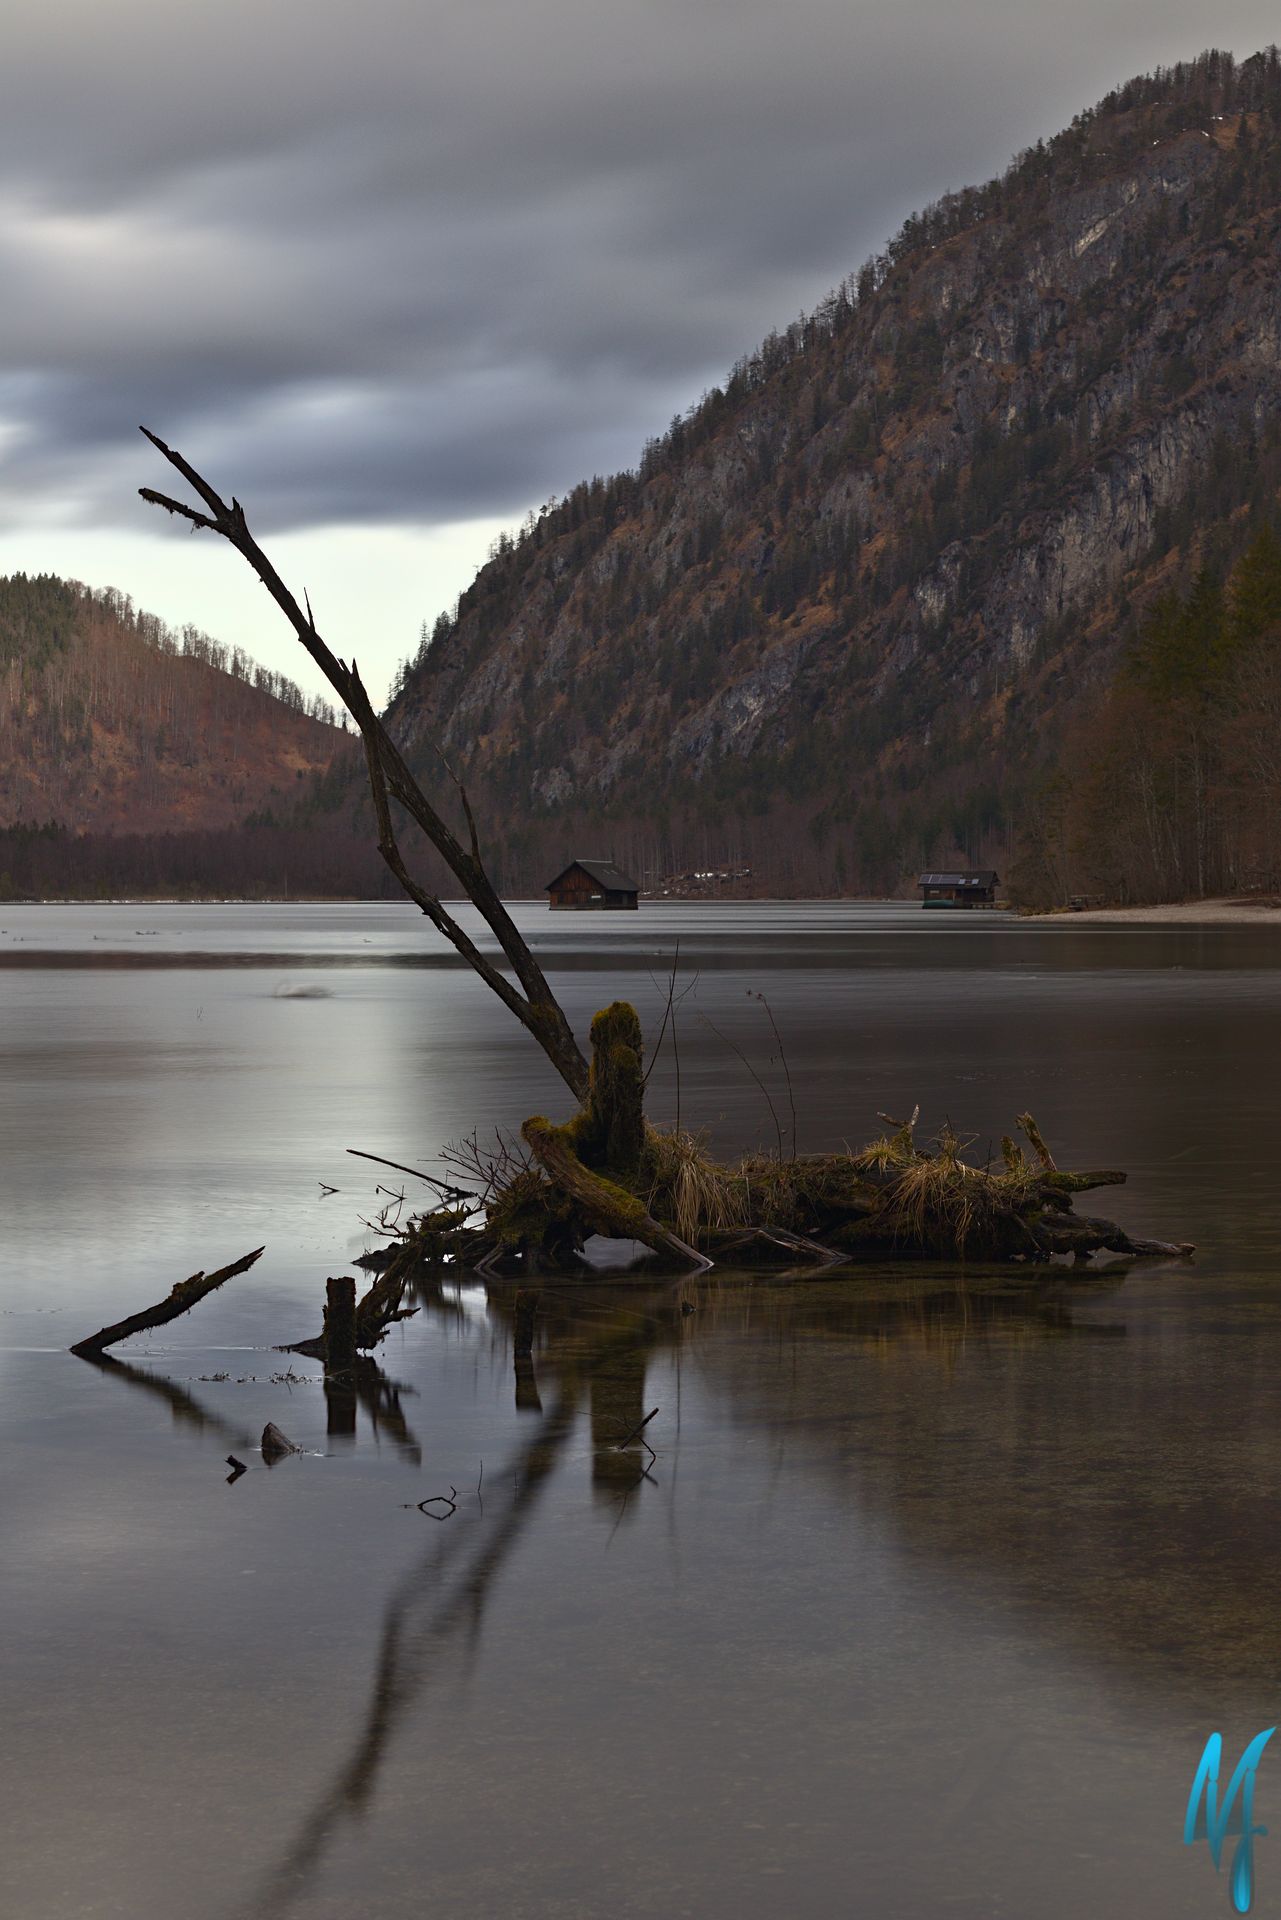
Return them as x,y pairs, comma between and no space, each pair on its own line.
610,1131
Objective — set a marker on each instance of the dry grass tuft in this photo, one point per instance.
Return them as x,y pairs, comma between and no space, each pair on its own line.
689,1188
899,1190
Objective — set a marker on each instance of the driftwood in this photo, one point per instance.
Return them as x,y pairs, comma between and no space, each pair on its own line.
187,1294
893,1199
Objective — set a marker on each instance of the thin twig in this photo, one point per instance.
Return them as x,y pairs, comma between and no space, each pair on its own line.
782,1054
377,1157
449,1500
773,1112
635,1431
667,1014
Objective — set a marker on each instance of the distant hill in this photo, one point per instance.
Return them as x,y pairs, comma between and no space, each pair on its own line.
136,760
110,722
838,622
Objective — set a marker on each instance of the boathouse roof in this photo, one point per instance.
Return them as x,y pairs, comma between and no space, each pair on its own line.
603,872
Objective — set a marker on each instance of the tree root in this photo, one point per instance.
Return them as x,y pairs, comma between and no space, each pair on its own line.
606,1208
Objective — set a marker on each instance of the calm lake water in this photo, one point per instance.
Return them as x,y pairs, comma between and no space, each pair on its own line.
935,1586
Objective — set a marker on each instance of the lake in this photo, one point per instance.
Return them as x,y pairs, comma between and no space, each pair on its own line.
936,1582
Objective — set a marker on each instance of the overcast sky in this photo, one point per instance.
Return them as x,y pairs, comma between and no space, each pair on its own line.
395,273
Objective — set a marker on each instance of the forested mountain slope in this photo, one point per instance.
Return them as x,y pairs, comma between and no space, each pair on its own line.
110,723
843,616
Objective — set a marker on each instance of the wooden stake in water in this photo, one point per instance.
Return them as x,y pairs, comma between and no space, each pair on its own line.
340,1325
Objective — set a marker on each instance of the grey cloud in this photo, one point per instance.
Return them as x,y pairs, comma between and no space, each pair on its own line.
420,264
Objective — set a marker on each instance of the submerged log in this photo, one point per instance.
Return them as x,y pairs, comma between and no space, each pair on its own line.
275,1445
892,1199
1080,1234
186,1295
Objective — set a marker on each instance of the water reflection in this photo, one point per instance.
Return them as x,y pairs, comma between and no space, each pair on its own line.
187,1410
435,1612
929,1586
597,1345
368,1387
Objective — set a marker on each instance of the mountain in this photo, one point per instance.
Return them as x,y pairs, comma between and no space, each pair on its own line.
109,722
138,760
843,617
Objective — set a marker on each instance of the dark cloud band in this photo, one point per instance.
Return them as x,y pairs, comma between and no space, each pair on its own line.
421,264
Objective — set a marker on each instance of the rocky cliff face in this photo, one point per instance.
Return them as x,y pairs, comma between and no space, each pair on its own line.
821,628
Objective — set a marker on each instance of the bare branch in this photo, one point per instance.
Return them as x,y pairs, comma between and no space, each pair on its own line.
176,506
468,815
390,778
183,1297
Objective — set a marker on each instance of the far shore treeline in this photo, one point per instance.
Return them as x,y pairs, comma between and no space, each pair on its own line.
257,861
1168,782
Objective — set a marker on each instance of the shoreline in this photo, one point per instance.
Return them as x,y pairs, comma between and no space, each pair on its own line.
1189,913
1179,913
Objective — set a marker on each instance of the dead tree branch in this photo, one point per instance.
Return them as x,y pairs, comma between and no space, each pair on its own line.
532,1002
187,1294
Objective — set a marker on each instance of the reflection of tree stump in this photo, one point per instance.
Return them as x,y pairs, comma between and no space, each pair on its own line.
525,1316
618,1396
528,1399
618,1408
340,1404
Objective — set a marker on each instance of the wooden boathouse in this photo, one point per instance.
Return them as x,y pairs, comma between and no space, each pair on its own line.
968,889
592,883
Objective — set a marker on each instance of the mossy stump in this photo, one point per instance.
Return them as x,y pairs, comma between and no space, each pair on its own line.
611,1127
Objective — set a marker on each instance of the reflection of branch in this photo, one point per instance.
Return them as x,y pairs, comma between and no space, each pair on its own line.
438,1603
418,1625
380,1397
183,1405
